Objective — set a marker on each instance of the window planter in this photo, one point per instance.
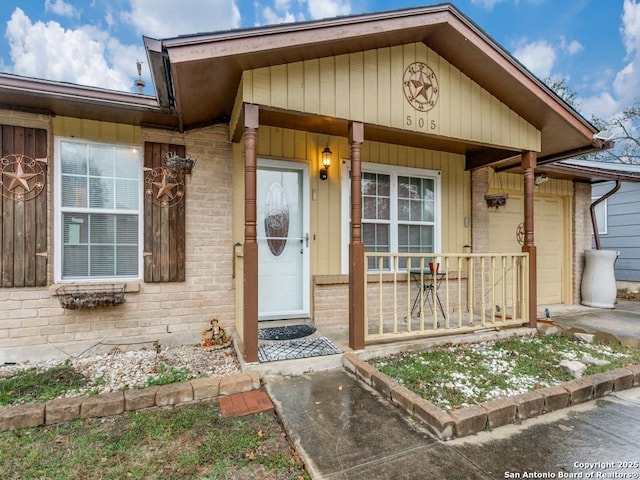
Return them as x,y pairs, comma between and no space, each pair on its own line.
496,201
76,296
179,165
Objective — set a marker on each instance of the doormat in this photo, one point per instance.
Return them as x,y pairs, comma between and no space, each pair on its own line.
287,332
292,349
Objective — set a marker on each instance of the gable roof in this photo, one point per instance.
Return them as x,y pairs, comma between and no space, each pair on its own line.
59,98
595,172
199,74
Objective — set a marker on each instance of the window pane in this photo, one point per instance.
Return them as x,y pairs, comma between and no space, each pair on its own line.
127,229
384,212
100,193
369,210
126,163
102,261
126,194
428,196
74,191
101,161
384,185
369,183
75,229
102,229
126,261
75,261
73,158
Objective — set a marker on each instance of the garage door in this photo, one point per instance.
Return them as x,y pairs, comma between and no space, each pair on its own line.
549,239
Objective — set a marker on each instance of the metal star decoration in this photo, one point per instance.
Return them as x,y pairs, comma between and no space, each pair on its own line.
22,178
19,178
165,188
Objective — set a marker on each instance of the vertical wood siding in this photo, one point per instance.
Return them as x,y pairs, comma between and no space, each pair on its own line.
23,229
164,227
368,87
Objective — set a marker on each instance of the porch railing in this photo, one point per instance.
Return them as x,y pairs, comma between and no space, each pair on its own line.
408,295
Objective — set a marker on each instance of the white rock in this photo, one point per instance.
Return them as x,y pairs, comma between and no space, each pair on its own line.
575,368
588,359
584,337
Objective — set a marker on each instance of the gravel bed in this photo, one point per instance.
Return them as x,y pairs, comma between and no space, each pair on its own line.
120,370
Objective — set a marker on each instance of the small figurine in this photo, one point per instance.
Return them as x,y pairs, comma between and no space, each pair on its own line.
218,337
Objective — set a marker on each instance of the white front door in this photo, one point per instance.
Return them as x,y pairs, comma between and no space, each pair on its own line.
283,240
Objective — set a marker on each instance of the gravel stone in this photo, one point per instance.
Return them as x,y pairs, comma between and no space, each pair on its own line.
124,370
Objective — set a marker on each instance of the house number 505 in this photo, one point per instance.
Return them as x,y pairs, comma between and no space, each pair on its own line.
421,122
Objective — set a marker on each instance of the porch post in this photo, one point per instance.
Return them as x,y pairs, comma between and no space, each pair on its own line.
356,248
250,251
528,166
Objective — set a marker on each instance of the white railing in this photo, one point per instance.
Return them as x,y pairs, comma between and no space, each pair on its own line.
410,295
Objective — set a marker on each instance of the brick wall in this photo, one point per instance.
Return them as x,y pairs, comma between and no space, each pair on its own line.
34,326
479,210
582,231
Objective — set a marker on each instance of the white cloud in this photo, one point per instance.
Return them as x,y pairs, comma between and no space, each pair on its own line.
272,17
538,57
60,7
170,18
47,50
626,81
631,26
602,105
328,8
572,47
488,4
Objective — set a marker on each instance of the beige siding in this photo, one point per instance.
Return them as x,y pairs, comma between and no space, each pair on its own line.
98,131
368,87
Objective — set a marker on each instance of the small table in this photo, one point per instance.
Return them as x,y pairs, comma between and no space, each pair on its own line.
426,283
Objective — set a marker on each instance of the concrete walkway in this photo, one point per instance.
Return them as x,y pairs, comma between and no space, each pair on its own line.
623,321
343,430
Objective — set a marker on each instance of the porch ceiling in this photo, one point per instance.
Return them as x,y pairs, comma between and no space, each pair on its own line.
204,72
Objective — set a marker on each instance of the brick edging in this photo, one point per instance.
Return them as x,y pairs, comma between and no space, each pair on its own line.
495,413
114,403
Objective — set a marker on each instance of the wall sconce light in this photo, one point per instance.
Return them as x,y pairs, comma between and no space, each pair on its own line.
540,179
326,163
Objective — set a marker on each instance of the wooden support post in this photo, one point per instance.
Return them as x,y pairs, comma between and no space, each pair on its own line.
528,166
250,253
356,248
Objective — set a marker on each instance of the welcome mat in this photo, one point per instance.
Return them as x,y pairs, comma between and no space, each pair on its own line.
292,349
287,332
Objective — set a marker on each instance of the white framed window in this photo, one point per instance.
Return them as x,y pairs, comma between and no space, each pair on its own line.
601,215
98,211
400,210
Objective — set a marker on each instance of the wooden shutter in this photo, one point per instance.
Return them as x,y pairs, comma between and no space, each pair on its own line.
23,228
164,226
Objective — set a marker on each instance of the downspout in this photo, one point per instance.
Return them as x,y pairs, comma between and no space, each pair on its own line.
594,222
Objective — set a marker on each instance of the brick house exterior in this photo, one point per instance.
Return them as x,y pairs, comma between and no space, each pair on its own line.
211,120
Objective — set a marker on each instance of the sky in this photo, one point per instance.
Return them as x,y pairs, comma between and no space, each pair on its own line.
593,45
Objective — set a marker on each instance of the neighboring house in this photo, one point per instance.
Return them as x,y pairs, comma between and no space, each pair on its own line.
419,115
618,219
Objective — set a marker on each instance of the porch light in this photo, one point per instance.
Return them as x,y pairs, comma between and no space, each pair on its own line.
326,162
